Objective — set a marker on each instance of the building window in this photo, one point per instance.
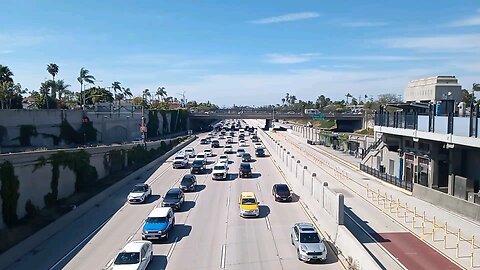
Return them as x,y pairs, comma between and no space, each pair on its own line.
391,167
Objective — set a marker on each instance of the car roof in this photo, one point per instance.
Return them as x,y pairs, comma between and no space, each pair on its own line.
159,212
306,227
134,246
201,153
247,195
174,190
141,185
220,164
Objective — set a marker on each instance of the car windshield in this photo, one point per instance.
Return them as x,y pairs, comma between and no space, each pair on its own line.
178,158
127,258
139,189
223,157
187,180
246,155
282,188
171,195
156,220
200,156
245,166
219,167
197,162
309,238
241,150
249,201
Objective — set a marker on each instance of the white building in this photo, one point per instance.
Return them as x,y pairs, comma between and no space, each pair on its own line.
433,89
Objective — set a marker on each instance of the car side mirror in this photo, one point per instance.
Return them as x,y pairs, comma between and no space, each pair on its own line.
258,202
144,259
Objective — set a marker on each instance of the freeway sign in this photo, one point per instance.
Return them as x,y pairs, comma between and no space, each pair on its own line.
318,116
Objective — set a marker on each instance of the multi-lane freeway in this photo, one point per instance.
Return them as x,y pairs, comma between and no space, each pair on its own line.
209,233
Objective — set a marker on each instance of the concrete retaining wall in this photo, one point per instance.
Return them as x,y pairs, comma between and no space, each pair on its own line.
19,250
35,181
326,205
466,208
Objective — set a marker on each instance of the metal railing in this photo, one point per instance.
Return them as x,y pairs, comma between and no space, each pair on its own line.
387,177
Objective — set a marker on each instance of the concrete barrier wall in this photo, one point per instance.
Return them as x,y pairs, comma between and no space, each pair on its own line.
324,203
35,180
24,247
466,208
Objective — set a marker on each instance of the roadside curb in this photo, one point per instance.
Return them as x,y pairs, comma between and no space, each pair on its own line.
16,252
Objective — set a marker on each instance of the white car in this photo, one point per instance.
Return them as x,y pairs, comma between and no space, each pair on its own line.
258,145
243,143
220,171
201,156
240,152
223,159
190,152
221,137
228,149
135,255
139,193
180,161
208,152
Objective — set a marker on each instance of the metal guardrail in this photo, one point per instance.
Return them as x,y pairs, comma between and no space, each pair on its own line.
387,177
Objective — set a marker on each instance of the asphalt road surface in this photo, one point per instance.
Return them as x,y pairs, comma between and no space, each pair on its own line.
209,234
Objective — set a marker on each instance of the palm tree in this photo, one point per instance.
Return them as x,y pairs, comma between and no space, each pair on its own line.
145,94
283,101
5,74
287,98
475,88
53,70
293,99
62,88
127,92
161,92
116,87
348,95
86,77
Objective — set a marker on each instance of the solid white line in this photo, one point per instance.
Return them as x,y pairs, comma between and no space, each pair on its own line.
269,227
172,248
79,244
228,201
196,197
224,255
130,238
258,186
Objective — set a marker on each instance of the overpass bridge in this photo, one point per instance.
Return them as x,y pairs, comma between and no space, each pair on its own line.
345,122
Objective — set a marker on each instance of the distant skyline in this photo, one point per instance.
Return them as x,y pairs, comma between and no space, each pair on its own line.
248,52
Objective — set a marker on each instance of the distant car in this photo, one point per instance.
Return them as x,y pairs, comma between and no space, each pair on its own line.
201,156
243,143
248,205
135,255
220,171
259,152
228,149
204,141
159,223
215,144
221,137
245,170
223,159
208,152
254,138
308,243
188,183
258,145
198,166
139,193
174,198
180,161
246,157
240,152
281,192
229,140
190,152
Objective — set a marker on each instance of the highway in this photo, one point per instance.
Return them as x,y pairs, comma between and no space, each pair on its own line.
209,234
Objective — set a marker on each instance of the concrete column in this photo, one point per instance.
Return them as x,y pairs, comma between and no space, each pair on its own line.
292,161
340,210
296,168
284,155
303,175
286,159
322,197
451,175
314,175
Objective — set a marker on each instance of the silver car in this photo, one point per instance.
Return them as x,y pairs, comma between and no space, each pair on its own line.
309,245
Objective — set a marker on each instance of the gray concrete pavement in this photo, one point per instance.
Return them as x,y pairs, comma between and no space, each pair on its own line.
209,234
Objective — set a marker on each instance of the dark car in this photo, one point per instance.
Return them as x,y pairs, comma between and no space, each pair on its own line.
188,183
198,166
255,138
174,198
245,170
215,144
281,192
204,141
246,157
259,152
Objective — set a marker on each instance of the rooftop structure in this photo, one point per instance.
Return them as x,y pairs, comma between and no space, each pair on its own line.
433,89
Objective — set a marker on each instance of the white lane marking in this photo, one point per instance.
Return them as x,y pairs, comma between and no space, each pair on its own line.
130,238
228,201
224,255
107,266
79,244
196,197
172,248
269,227
258,186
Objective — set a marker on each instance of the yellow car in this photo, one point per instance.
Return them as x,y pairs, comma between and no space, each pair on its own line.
248,205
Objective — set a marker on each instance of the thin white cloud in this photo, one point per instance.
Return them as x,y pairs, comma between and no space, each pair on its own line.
171,60
362,24
276,58
381,58
287,18
470,21
435,43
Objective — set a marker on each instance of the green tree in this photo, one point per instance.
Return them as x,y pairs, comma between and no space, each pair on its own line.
117,88
84,77
62,88
161,93
98,95
146,94
127,92
5,74
348,95
467,97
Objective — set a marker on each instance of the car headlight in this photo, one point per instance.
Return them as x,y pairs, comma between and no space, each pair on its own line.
144,231
303,248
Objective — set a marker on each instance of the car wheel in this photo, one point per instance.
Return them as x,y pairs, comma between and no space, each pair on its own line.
291,240
166,235
298,255
151,256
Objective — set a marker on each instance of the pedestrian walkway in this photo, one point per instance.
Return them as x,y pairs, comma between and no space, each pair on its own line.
449,233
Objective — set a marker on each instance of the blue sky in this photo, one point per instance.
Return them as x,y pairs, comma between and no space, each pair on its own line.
244,52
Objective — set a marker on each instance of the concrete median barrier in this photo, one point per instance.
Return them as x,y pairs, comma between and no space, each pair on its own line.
22,248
